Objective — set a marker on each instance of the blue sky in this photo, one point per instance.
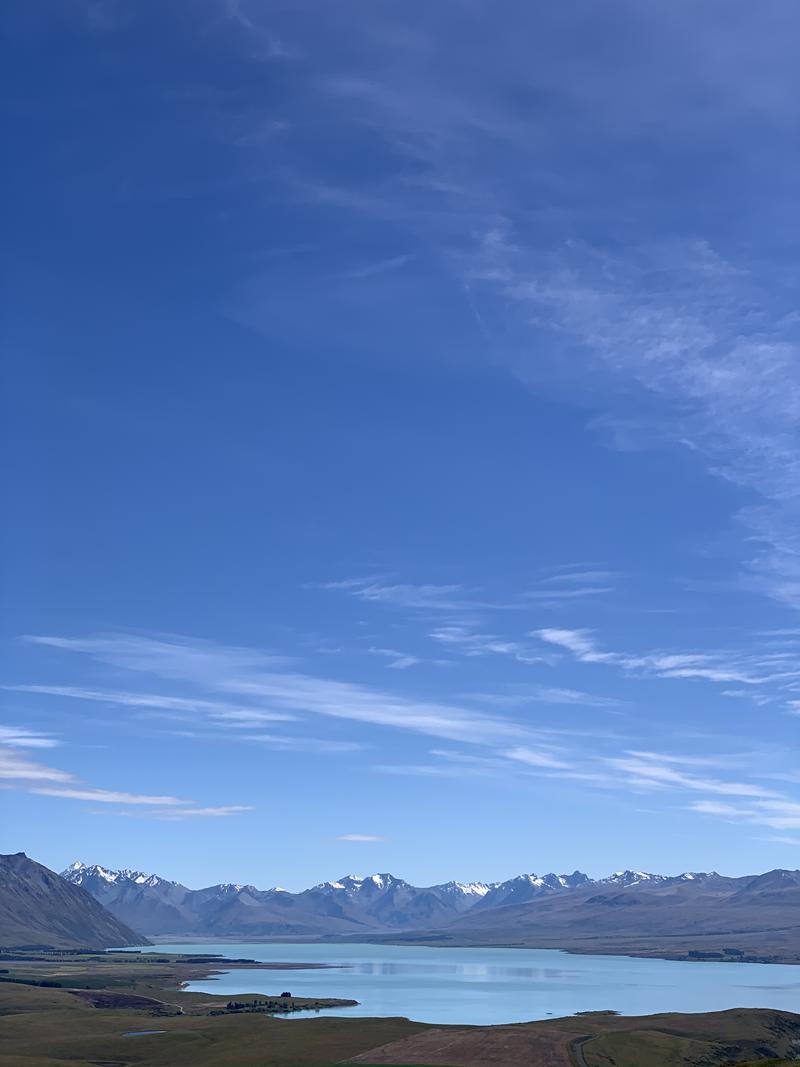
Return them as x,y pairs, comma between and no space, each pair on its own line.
402,402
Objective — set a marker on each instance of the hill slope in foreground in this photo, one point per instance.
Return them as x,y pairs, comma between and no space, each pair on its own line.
39,908
603,1040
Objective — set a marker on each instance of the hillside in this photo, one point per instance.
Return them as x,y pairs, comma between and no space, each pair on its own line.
39,908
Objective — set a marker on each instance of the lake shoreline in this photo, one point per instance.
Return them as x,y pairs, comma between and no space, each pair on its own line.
507,985
682,955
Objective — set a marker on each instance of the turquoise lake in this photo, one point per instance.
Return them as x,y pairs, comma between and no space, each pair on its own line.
497,985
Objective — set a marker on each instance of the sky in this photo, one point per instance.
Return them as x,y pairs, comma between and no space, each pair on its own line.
402,404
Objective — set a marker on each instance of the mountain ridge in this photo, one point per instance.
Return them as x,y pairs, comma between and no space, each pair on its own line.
38,908
381,904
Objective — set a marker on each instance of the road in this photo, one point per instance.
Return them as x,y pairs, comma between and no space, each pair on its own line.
576,1051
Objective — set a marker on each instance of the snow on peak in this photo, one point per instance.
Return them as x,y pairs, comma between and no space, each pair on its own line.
355,883
629,878
103,872
532,879
472,889
80,872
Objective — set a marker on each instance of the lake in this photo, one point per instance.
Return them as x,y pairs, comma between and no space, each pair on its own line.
498,985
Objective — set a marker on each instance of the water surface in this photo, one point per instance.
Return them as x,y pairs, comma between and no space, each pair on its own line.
498,985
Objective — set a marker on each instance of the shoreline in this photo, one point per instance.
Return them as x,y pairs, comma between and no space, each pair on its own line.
705,955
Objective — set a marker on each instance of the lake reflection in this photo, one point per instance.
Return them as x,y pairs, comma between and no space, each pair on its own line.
498,985
471,970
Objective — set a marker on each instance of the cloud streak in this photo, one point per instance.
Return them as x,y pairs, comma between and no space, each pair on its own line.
21,737
502,747
743,669
213,708
246,673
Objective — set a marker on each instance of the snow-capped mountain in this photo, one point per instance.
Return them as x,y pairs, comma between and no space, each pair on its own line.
527,887
350,904
627,878
381,903
464,895
84,874
390,902
150,903
547,909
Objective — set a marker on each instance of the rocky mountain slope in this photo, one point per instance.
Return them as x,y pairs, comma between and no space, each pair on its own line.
39,908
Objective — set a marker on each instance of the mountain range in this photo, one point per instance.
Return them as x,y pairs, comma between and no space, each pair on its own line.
530,908
634,912
757,916
350,905
37,909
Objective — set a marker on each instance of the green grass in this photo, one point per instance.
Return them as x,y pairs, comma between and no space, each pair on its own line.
95,1035
638,1047
718,1038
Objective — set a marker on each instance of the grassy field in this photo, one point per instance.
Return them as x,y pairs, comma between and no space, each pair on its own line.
92,1016
83,1022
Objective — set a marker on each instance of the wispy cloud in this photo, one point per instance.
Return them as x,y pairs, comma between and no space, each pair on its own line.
503,746
104,796
534,758
555,594
21,737
246,673
327,745
261,41
399,661
652,771
168,657
187,705
705,342
778,814
426,597
572,575
15,766
364,838
715,667
469,642
517,695
379,266
569,584
39,779
428,770
169,814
